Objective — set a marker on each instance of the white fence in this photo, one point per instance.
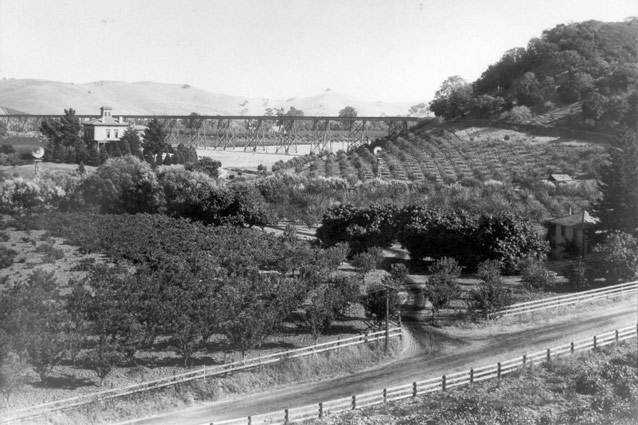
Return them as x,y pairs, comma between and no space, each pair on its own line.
443,383
562,300
205,372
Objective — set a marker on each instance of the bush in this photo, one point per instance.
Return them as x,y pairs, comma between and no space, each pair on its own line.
368,261
578,275
535,276
490,294
442,287
7,256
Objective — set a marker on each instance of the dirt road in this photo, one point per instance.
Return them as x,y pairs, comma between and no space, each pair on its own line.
458,349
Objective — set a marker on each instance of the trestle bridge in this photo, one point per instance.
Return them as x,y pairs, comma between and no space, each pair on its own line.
281,134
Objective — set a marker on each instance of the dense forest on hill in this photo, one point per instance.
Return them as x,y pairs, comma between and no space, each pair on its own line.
588,66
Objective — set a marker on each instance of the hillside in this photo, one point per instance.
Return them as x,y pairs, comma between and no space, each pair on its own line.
149,98
580,75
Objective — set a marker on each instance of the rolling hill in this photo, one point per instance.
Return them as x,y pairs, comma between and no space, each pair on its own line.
150,98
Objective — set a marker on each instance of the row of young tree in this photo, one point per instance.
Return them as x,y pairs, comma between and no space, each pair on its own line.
189,282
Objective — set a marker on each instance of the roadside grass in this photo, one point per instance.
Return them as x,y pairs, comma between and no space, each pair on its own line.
595,388
193,393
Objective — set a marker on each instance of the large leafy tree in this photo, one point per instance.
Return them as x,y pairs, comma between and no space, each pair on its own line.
453,99
618,207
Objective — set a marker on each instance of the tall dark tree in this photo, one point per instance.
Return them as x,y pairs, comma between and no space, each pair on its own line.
65,143
618,207
130,136
155,138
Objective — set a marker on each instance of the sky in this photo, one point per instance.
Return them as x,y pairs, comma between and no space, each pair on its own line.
385,50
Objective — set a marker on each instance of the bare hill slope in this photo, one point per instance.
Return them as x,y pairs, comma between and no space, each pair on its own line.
52,97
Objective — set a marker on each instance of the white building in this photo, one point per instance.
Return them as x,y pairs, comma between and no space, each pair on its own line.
104,129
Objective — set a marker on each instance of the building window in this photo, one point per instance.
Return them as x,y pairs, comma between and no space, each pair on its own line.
563,230
116,134
108,134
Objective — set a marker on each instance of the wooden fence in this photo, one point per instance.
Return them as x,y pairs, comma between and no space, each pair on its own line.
442,383
563,300
201,373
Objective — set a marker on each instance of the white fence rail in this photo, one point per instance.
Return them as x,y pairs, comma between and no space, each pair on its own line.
205,372
562,300
443,383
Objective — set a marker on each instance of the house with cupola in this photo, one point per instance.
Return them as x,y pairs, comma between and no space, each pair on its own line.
105,128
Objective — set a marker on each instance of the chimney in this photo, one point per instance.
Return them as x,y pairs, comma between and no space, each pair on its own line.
122,120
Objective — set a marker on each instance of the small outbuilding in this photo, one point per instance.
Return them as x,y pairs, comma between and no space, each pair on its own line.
560,178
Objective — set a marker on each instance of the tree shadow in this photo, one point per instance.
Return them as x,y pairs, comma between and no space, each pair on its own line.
65,382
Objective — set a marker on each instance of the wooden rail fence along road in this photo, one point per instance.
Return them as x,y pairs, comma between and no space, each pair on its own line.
205,372
442,383
514,309
563,300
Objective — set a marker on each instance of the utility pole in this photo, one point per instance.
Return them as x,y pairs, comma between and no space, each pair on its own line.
387,318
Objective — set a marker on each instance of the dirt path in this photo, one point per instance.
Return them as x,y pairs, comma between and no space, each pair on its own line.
456,349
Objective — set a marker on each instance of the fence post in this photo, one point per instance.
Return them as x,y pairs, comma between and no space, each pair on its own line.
571,347
524,359
472,376
320,410
354,402
414,389
250,421
595,342
338,344
498,371
549,355
443,383
617,336
385,395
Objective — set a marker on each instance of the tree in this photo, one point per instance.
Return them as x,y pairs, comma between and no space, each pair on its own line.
618,206
348,112
490,295
34,318
620,253
123,184
205,165
453,99
155,138
12,369
131,138
442,286
65,143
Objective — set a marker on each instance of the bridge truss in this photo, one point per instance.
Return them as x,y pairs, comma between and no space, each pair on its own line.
279,134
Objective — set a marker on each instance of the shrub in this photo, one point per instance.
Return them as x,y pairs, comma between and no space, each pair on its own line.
50,254
442,287
578,275
7,256
368,261
535,276
490,294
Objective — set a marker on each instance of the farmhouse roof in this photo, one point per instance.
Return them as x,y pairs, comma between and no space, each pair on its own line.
575,220
560,178
107,120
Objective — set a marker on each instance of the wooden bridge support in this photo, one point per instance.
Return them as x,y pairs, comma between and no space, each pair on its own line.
283,134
